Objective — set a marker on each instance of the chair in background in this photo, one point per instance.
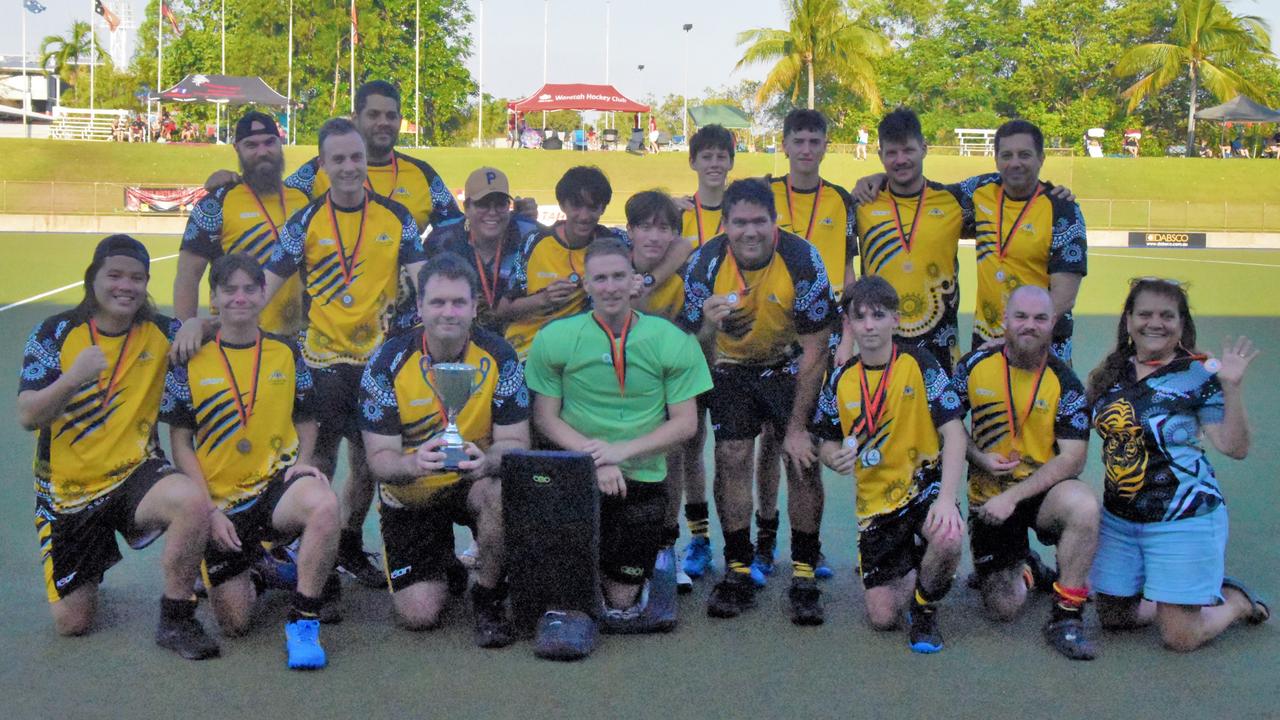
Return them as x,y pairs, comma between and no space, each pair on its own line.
609,139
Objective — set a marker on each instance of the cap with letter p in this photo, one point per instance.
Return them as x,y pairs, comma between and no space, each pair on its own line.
486,181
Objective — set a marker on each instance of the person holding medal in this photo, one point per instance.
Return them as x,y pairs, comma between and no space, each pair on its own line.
91,383
350,246
760,297
1029,433
421,495
490,235
241,419
245,216
892,419
621,386
1162,546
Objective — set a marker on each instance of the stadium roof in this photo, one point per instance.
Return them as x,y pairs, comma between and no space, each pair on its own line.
1239,109
726,116
578,96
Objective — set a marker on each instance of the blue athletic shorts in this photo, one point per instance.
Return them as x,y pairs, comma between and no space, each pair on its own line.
1180,562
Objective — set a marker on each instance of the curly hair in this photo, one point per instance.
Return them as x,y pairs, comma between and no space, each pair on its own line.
1116,363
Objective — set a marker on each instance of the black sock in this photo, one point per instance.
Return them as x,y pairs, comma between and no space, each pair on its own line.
670,534
171,609
484,595
766,534
697,515
305,608
925,598
737,547
805,549
332,587
350,543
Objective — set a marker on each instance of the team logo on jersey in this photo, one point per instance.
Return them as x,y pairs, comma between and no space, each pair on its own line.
909,391
1124,453
1041,404
1028,228
936,212
401,191
276,378
826,221
145,356
383,239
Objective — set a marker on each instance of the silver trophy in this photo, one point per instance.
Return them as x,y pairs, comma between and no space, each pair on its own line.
452,383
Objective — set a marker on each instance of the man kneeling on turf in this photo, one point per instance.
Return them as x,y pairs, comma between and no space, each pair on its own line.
241,419
892,418
403,421
1029,434
621,386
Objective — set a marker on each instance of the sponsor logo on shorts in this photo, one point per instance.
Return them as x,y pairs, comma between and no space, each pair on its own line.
631,570
63,581
542,479
400,572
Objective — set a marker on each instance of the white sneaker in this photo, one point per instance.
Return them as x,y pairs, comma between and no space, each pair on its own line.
684,583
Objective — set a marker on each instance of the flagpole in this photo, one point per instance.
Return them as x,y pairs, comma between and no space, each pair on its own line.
93,50
480,73
417,72
217,108
288,112
607,12
26,81
353,57
546,21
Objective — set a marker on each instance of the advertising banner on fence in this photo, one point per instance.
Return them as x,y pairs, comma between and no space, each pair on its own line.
1151,239
162,200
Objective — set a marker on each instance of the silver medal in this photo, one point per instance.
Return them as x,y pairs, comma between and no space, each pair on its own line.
574,278
1000,275
871,458
348,300
1213,365
732,298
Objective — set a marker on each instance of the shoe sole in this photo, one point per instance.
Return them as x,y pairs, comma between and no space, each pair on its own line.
188,655
684,588
925,648
808,621
381,583
308,666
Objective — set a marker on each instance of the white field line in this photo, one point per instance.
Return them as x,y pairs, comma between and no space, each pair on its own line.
1173,259
64,288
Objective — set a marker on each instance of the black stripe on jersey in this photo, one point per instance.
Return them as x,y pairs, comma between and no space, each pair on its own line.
989,424
97,423
880,240
255,243
419,432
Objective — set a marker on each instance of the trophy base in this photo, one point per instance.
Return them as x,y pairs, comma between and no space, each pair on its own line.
453,456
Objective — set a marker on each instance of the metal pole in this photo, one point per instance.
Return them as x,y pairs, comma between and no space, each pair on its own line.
417,72
480,78
93,49
353,57
288,112
26,81
217,108
684,118
546,23
608,10
159,56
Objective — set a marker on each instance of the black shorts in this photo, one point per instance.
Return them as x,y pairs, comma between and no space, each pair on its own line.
252,521
631,531
79,547
337,394
417,542
746,397
892,545
1004,546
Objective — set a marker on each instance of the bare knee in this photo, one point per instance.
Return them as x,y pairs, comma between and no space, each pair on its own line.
1003,594
420,606
1179,639
323,515
884,607
70,622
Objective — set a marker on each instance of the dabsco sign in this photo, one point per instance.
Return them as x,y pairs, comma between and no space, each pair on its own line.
1167,239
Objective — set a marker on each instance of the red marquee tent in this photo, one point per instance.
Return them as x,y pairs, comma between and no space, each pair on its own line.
577,96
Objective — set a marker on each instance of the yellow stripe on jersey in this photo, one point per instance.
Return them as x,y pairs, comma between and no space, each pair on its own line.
91,448
824,219
233,476
244,230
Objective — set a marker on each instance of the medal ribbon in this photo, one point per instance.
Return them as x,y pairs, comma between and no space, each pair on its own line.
791,209
243,409
491,291
732,261
110,390
1160,363
618,351
348,267
284,214
395,176
1003,240
873,404
1011,413
909,239
697,216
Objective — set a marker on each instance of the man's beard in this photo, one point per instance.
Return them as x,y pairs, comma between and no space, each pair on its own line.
377,150
264,176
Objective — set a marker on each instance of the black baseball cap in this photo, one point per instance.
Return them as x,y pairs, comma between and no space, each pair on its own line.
245,125
125,245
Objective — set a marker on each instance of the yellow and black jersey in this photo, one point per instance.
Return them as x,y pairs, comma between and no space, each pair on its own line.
1021,242
108,427
397,399
666,300
240,444
912,242
545,258
350,260
895,425
823,216
495,274
1018,413
407,180
788,297
701,223
235,219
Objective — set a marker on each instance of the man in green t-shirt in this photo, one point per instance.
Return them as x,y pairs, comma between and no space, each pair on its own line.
619,385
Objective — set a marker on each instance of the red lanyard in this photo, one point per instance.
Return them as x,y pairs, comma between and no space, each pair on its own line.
243,409
732,261
1160,363
791,209
873,404
395,176
1003,240
110,390
908,239
348,266
1011,413
618,351
284,214
491,291
697,216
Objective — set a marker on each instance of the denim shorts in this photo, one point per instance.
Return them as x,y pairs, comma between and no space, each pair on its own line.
1180,562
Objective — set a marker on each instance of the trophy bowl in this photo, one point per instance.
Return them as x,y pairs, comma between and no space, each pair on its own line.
453,385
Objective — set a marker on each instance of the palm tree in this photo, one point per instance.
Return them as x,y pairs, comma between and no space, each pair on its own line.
1206,39
66,52
824,36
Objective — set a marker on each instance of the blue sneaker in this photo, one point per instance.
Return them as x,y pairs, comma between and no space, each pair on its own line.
697,557
922,631
823,571
761,569
302,641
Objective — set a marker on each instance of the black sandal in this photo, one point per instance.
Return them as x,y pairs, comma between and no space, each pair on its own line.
1261,610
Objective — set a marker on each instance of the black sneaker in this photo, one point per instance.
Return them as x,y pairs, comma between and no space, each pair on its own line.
331,610
1042,576
186,636
365,567
922,630
493,630
1067,636
731,596
806,602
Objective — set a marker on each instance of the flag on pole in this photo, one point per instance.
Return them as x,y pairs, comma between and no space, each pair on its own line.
173,19
35,7
112,20
355,24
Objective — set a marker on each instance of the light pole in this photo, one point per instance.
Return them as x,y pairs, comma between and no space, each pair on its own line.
546,23
684,117
640,84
